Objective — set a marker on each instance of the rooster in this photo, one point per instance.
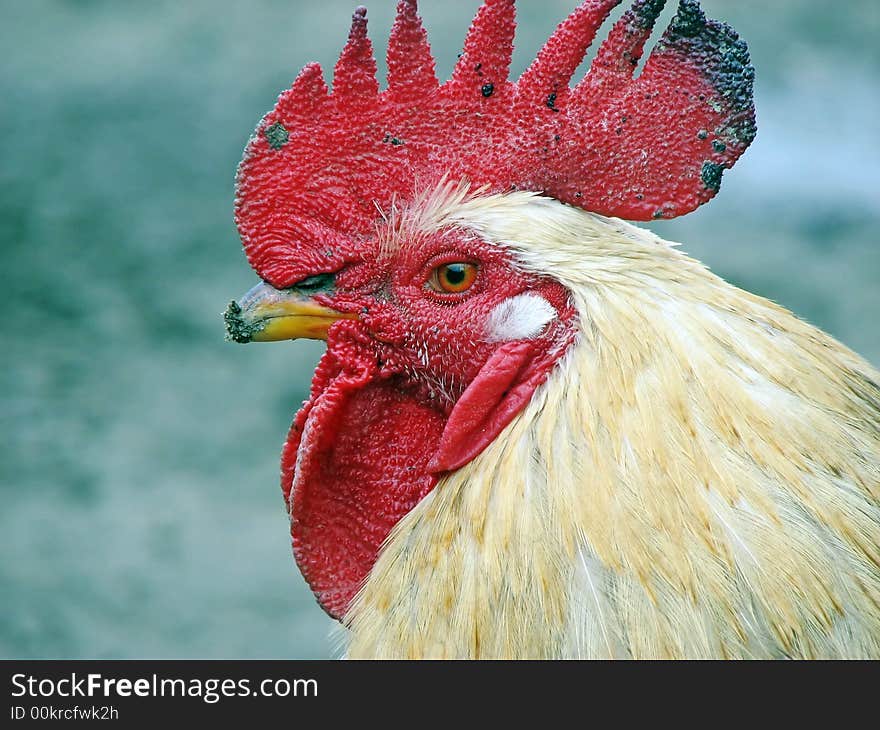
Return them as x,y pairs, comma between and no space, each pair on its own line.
538,430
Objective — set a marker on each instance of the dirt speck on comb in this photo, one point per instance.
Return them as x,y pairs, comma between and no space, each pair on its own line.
277,135
710,174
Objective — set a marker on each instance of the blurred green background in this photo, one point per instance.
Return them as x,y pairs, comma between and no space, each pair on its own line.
141,515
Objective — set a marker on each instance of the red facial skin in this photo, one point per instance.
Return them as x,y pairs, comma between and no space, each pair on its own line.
391,409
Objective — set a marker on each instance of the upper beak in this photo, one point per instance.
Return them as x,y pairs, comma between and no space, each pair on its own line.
266,314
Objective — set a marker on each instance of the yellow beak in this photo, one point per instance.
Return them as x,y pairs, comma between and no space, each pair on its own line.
266,314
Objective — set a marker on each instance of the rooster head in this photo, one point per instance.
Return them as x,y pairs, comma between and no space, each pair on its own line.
348,204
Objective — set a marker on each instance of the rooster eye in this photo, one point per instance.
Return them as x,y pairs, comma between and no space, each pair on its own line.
453,278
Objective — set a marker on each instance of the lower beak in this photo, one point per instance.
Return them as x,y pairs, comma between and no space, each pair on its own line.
266,314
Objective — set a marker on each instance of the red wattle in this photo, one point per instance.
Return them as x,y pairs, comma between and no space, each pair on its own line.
354,464
365,449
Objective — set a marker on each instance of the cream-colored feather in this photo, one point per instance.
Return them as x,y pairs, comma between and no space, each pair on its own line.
699,477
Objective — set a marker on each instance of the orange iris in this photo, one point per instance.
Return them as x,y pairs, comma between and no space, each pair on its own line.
453,278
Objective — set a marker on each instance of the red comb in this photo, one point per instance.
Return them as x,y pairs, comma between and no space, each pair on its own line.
653,146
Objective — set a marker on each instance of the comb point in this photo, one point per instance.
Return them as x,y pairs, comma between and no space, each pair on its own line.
617,57
484,65
410,63
563,52
354,78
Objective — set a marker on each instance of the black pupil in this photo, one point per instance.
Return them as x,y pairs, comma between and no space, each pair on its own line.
456,273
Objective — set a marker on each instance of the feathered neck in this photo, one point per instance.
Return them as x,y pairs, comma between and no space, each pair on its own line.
699,477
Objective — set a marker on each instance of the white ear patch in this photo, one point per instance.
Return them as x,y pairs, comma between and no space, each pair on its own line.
518,318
